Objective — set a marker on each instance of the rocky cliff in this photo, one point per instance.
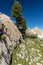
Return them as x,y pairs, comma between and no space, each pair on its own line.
9,38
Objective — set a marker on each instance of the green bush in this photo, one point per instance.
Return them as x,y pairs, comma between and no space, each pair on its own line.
3,37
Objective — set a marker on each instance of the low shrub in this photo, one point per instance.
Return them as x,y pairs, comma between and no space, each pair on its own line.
3,37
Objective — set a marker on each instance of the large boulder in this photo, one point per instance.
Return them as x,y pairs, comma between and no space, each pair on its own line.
9,39
12,29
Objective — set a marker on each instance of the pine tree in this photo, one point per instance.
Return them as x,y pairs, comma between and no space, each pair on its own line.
17,13
17,10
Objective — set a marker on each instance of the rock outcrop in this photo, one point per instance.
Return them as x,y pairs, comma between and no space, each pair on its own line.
9,38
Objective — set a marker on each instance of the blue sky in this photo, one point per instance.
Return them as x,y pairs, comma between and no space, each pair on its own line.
32,11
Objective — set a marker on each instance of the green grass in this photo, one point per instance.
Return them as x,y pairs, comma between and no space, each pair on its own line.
29,52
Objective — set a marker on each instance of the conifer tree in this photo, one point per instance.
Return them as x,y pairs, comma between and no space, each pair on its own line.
17,13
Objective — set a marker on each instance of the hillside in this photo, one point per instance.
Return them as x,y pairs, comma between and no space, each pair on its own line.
29,52
16,51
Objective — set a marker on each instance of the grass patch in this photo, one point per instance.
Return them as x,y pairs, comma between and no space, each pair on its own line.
29,52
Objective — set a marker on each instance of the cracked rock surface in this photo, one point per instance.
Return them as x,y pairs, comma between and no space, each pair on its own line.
9,38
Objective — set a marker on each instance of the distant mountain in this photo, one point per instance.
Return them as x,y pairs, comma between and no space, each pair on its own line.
38,31
35,31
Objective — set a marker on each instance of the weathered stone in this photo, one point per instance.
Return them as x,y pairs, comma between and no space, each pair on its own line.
12,37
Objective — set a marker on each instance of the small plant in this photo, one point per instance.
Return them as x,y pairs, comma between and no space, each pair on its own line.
3,37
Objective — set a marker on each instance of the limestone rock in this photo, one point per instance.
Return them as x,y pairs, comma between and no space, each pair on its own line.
9,38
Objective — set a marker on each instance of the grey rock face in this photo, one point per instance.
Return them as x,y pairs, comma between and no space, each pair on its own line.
8,39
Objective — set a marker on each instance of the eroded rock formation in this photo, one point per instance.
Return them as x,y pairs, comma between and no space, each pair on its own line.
9,38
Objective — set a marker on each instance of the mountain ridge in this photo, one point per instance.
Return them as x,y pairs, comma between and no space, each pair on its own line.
35,31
